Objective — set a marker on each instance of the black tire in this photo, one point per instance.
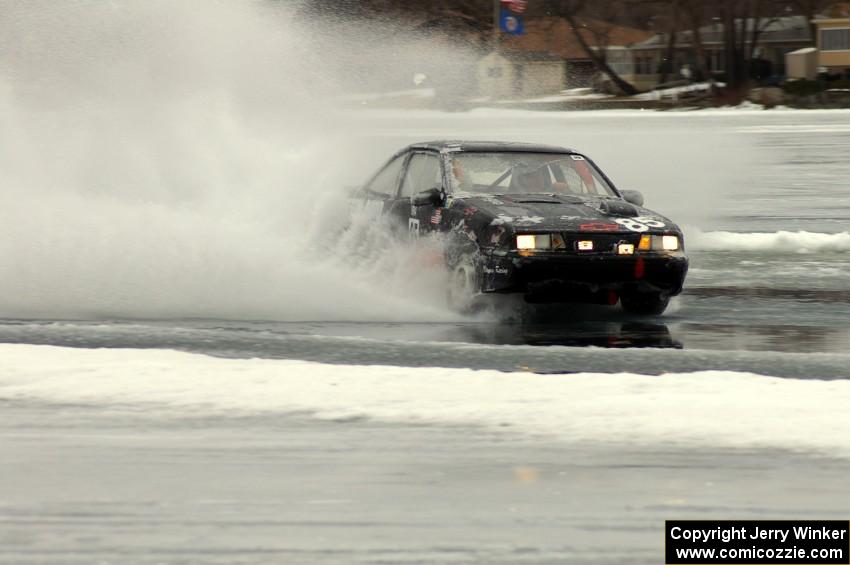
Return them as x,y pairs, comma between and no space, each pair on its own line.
645,303
464,289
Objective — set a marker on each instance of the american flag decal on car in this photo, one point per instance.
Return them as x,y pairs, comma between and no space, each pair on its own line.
437,216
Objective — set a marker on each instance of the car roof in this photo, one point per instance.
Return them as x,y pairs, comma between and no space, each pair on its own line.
452,146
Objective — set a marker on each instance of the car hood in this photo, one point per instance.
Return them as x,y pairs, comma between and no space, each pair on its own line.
558,212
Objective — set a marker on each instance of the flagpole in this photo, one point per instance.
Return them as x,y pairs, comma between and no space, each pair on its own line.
496,25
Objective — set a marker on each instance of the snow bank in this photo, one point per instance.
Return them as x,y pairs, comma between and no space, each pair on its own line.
795,129
703,113
703,409
781,241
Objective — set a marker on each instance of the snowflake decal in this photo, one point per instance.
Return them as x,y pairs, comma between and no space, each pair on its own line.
530,220
491,200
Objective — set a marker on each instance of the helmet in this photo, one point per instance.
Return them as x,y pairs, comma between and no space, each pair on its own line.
527,177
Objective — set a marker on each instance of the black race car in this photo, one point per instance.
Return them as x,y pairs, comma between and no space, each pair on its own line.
539,220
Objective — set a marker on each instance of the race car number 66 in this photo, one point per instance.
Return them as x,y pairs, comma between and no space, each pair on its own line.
639,224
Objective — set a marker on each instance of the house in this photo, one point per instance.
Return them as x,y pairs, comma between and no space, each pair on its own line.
548,57
780,36
833,40
520,74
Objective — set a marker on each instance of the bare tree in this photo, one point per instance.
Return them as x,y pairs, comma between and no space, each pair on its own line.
694,15
572,11
743,25
809,9
673,24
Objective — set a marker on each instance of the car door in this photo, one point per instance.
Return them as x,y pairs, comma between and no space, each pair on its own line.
423,172
381,191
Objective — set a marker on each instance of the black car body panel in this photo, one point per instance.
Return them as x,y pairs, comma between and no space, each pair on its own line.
485,226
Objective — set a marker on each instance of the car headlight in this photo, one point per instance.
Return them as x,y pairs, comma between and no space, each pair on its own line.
659,243
534,241
540,241
670,242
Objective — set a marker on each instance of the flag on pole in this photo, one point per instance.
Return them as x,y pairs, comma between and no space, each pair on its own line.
511,23
515,6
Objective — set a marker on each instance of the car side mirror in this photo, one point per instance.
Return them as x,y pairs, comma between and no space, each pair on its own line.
633,196
432,196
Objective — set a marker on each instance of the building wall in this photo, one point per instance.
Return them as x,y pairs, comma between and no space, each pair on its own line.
500,78
650,59
495,77
833,59
802,63
579,74
541,78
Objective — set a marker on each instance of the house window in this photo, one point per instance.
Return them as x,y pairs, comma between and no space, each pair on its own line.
716,60
619,61
648,65
835,39
643,65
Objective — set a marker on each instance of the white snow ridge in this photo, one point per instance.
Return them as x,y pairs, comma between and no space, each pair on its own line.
781,241
706,409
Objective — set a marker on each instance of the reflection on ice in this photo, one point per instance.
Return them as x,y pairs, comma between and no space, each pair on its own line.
590,334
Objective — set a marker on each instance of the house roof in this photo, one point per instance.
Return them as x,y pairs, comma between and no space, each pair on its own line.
839,10
554,35
784,29
528,56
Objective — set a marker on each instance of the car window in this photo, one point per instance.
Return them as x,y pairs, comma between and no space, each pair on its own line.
386,181
517,173
423,173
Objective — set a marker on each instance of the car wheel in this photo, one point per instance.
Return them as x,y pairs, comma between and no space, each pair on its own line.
464,286
645,303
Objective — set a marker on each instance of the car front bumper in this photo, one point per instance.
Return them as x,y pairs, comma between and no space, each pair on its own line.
560,277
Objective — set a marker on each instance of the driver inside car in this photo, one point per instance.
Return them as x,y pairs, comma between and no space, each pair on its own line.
525,179
459,176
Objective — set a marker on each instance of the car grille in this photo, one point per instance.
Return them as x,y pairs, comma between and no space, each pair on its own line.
603,243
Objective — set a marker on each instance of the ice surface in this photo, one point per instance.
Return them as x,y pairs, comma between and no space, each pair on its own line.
702,409
779,242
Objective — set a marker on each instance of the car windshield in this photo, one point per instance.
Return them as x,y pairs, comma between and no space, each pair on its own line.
525,173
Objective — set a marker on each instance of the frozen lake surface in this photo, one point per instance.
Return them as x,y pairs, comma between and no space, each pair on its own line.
541,436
